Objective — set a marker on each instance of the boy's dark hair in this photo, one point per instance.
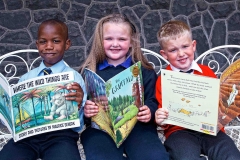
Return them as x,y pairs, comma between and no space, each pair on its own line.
56,22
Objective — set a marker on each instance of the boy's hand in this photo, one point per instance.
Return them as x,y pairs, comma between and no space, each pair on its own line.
75,96
90,109
144,114
160,115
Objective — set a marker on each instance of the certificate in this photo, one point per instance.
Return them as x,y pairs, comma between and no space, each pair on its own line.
192,101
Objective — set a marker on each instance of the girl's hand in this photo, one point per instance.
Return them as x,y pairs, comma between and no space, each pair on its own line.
160,115
90,109
75,96
144,114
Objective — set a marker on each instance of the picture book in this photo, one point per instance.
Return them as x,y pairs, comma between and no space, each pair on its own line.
195,102
221,98
118,100
37,105
229,101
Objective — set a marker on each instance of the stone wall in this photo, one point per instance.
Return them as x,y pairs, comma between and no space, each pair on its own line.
213,22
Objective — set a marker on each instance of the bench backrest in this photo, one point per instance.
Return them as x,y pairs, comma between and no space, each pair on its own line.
14,64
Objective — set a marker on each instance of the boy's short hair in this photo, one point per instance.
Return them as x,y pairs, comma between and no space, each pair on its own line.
56,22
172,30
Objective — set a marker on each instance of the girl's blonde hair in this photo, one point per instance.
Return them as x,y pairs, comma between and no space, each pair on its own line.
172,30
97,53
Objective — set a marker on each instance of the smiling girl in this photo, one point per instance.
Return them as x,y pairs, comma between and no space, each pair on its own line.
116,46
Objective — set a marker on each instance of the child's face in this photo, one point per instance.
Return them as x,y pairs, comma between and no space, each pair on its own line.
116,41
179,52
52,43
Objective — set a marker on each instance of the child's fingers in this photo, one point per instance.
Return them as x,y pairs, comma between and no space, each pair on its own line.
89,115
74,86
145,118
143,108
88,102
159,121
160,116
90,110
161,111
144,114
75,96
165,110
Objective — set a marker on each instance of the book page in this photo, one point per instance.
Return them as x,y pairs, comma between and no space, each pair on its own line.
192,101
97,93
39,105
125,96
5,103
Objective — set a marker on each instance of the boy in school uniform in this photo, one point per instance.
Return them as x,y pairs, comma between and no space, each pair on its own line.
177,46
52,42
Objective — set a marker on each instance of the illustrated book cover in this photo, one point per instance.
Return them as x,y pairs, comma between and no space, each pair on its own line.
37,105
118,100
229,101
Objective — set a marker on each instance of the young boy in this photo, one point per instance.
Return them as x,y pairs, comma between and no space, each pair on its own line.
178,48
52,42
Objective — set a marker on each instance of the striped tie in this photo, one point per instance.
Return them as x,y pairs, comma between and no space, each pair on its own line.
47,71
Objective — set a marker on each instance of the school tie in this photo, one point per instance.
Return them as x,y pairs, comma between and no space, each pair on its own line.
47,71
189,71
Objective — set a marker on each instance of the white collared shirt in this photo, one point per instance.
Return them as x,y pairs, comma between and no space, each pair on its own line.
193,66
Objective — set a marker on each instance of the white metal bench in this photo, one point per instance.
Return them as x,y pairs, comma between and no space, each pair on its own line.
217,58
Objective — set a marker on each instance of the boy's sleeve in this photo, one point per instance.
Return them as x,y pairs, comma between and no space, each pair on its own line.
78,78
149,81
159,97
159,92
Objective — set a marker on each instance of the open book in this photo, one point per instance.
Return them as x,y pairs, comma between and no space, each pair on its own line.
37,105
118,100
201,103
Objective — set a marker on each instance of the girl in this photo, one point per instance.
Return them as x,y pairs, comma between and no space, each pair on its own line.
116,46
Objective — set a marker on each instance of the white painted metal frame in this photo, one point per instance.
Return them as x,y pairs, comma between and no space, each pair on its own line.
14,69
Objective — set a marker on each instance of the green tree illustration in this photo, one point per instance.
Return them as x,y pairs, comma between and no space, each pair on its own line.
118,136
19,113
108,87
30,95
40,99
